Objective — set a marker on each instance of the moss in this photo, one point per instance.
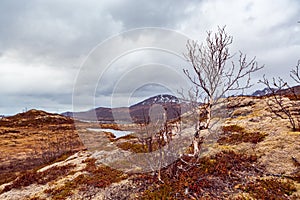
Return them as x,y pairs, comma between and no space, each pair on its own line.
34,177
110,126
7,177
133,147
202,177
98,176
36,198
62,192
237,138
270,189
235,134
163,192
233,128
294,133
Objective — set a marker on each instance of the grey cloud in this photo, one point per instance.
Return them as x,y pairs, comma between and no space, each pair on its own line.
43,43
143,13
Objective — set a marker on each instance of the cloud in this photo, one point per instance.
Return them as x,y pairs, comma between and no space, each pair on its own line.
265,29
44,43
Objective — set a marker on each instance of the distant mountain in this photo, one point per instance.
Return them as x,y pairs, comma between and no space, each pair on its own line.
137,113
173,108
159,99
259,93
288,91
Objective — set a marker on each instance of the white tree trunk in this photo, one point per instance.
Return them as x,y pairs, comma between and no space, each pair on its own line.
196,145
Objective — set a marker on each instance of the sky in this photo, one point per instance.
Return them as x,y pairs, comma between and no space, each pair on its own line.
54,54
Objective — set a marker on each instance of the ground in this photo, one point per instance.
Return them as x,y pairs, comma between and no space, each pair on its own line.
248,154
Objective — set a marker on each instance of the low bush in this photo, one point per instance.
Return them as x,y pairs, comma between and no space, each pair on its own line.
35,177
133,147
98,176
270,189
234,134
110,126
233,128
237,138
214,177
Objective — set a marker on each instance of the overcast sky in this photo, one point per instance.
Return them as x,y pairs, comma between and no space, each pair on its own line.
44,45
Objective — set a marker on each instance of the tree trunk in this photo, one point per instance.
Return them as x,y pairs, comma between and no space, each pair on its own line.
196,146
208,115
149,144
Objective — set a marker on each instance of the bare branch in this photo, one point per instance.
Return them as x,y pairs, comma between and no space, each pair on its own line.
295,73
211,74
276,101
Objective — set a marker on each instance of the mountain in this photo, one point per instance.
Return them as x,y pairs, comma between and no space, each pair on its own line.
295,90
137,113
159,99
263,92
140,112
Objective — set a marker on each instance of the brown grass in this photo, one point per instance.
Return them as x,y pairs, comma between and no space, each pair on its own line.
34,177
110,126
133,147
33,139
270,188
213,177
216,177
235,134
97,177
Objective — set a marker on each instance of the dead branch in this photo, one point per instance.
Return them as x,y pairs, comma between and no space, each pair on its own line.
295,75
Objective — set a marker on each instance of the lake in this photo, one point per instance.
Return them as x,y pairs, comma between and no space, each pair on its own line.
117,133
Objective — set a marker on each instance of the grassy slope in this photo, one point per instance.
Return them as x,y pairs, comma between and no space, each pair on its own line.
250,157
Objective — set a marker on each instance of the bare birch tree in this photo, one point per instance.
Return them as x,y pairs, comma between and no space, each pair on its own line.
279,93
214,73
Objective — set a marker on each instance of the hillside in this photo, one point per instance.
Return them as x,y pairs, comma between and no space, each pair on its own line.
248,154
32,139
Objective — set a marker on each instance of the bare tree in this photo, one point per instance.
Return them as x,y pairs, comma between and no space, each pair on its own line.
214,74
154,133
280,92
295,74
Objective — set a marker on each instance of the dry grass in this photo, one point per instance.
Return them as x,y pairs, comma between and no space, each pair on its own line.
271,188
35,142
234,134
110,126
133,147
265,147
94,177
34,177
216,177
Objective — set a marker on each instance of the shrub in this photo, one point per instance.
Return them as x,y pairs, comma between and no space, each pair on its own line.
98,176
201,177
133,147
34,177
237,138
110,126
234,134
270,189
233,128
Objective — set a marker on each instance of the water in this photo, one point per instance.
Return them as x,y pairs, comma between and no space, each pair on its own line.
117,133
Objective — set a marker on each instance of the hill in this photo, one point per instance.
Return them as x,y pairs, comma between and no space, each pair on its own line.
35,118
34,138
